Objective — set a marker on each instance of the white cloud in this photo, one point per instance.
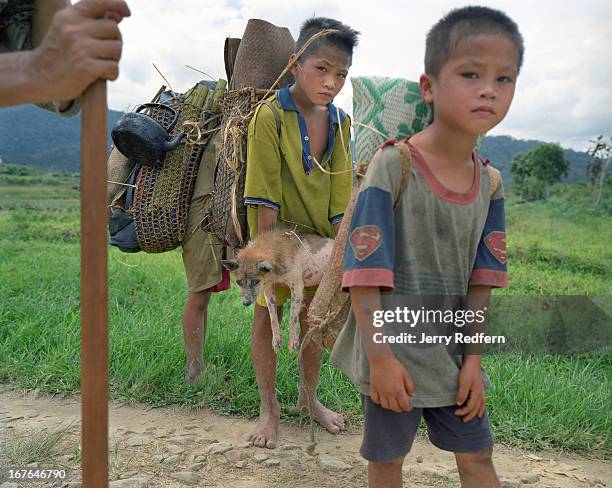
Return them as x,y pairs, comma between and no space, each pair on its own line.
564,92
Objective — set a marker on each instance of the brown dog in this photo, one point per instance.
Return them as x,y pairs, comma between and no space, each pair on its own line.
285,258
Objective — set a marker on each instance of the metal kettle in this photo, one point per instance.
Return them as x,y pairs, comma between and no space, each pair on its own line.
142,139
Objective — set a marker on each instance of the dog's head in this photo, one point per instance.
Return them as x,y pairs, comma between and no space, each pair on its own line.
249,276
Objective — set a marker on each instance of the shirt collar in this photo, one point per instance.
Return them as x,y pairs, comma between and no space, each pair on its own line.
285,100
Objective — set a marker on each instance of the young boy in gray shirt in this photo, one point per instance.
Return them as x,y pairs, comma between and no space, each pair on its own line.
438,245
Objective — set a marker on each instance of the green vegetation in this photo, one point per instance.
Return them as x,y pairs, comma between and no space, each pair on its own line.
597,169
18,174
560,246
534,171
33,447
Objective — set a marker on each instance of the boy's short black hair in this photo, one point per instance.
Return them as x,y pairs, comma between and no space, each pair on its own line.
465,23
344,39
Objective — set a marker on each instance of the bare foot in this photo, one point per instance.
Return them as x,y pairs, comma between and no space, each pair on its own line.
193,370
265,432
332,421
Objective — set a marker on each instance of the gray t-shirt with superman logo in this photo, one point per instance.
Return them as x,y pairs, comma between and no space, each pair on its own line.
423,255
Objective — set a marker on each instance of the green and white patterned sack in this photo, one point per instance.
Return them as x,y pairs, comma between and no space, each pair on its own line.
393,106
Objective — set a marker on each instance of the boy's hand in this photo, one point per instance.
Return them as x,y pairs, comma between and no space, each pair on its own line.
390,384
471,388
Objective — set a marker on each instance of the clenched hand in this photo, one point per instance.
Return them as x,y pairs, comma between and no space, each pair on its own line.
391,385
83,43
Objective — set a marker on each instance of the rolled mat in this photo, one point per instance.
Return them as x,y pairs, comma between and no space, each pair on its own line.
119,169
262,55
230,51
393,107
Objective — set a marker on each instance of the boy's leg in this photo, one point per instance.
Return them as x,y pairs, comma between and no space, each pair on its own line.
387,438
476,469
195,319
386,475
264,364
471,443
202,261
309,381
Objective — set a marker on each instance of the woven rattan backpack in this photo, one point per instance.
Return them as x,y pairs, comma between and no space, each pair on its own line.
162,192
330,306
227,216
259,66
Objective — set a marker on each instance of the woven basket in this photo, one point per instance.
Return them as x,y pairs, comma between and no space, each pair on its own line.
163,194
119,169
227,216
261,56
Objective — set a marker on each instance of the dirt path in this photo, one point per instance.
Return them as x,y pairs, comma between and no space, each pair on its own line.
177,447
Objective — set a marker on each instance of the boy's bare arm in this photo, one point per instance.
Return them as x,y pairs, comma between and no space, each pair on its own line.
390,383
266,218
471,387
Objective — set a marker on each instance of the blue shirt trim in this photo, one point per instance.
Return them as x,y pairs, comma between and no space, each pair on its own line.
336,218
286,102
261,201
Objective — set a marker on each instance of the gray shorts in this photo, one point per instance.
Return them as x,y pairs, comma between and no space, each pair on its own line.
388,435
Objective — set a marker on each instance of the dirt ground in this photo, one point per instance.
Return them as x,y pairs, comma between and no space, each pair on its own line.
176,447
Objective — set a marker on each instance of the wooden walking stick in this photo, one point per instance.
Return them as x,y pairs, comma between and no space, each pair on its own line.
94,288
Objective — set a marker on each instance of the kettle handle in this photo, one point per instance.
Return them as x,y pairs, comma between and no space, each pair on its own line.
161,105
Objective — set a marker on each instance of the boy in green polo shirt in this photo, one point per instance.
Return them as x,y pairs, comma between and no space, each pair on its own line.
285,186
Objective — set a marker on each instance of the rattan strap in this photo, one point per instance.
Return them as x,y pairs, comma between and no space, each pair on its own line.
330,306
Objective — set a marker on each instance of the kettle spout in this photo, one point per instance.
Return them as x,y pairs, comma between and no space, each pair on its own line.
171,145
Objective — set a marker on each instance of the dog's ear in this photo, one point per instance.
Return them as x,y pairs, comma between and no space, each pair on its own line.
230,264
264,266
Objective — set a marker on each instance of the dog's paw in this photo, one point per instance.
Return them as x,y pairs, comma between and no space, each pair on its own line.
276,344
294,343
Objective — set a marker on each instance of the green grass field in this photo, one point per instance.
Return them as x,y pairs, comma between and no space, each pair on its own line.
556,247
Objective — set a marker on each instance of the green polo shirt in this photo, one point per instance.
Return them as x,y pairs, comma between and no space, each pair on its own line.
281,173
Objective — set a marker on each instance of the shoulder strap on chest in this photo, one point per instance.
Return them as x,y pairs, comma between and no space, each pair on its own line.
271,106
495,178
406,163
494,175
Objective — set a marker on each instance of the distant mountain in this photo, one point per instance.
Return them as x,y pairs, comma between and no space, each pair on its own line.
35,137
29,135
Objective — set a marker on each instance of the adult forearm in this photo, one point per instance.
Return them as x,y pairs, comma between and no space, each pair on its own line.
18,83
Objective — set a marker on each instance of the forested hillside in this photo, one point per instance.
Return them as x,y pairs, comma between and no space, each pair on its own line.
29,135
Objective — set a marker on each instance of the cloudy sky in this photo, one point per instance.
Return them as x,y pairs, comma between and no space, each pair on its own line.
564,92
